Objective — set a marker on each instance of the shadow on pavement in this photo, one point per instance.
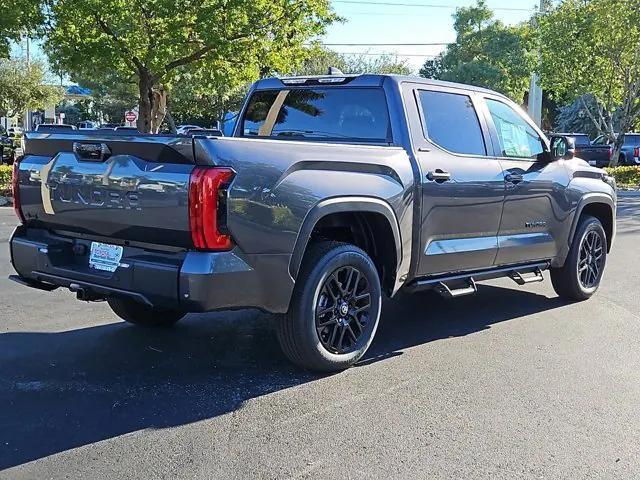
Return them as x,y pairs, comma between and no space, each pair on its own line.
63,390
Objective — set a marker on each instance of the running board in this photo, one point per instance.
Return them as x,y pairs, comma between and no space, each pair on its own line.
521,274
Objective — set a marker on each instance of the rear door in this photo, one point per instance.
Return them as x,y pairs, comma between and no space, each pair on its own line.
533,216
462,183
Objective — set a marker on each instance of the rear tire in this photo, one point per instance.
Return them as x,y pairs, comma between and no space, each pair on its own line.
143,315
335,308
582,272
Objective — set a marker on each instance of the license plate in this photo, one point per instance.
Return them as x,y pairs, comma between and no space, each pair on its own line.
104,256
593,162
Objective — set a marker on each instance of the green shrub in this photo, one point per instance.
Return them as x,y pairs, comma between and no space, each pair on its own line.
5,180
625,176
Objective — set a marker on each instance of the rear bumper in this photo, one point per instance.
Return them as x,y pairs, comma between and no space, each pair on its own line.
187,281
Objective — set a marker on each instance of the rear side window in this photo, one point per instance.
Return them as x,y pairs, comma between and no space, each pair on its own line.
450,121
632,139
339,114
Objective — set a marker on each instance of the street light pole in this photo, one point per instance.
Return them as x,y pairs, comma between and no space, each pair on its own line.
535,91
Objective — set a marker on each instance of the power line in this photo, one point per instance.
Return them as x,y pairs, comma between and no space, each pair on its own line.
390,54
423,5
436,44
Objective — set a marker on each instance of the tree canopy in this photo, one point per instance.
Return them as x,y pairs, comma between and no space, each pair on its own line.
318,59
23,87
486,53
593,48
156,42
17,17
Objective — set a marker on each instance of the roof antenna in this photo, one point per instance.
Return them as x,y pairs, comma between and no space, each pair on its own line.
334,71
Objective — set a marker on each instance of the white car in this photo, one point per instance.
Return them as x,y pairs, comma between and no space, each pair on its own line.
182,129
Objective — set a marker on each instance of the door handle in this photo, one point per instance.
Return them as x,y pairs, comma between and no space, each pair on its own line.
438,176
513,178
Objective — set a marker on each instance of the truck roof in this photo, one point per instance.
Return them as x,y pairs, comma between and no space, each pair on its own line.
363,80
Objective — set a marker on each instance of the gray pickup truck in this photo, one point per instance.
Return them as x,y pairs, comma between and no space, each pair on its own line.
333,191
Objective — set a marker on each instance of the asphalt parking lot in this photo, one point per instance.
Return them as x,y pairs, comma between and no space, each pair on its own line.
510,383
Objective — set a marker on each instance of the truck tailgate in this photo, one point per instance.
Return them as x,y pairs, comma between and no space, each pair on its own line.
113,187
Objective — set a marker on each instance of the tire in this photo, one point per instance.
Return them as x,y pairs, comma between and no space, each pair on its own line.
143,315
567,281
337,290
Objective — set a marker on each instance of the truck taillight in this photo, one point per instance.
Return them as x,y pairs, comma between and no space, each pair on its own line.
208,207
636,152
15,187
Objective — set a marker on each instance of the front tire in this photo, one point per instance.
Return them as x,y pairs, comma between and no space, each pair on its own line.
143,315
335,308
582,272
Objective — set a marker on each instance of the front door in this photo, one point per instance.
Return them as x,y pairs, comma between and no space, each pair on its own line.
533,217
462,183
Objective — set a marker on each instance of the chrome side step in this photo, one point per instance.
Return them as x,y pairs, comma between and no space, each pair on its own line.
522,274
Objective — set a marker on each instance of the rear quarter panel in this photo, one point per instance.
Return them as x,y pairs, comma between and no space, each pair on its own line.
278,182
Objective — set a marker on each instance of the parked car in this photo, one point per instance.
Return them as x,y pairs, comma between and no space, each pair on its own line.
209,132
335,190
7,148
630,152
181,129
87,125
54,127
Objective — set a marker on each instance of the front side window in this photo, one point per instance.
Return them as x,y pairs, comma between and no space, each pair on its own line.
340,114
517,138
450,121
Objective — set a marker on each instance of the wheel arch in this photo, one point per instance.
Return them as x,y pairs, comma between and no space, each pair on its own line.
371,221
600,206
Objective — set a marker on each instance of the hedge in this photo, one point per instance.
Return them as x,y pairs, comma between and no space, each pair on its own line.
625,176
5,180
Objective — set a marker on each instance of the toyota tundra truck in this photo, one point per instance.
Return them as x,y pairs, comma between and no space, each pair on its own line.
333,192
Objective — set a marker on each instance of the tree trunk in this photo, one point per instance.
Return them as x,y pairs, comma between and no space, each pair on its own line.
617,149
159,108
145,102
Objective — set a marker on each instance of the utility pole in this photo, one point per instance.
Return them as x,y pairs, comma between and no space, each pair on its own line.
27,114
535,92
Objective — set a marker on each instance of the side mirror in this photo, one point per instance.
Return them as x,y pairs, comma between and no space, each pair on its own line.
563,147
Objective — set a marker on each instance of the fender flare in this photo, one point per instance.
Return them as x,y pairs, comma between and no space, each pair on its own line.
343,205
588,199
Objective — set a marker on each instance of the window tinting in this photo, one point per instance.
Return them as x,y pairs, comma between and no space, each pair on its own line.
582,140
356,114
450,120
517,138
632,139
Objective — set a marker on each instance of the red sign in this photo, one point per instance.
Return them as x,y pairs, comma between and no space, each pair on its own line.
131,116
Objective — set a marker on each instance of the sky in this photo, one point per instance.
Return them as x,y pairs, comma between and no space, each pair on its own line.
367,23
415,21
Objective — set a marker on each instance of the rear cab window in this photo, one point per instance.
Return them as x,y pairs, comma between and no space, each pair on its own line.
340,114
582,140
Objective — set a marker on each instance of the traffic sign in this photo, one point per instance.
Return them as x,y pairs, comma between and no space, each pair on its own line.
131,116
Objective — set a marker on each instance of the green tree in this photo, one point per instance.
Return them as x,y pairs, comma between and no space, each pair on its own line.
593,48
16,18
318,60
486,53
156,41
23,87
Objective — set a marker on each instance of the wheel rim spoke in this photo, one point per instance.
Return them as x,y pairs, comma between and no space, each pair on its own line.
342,310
